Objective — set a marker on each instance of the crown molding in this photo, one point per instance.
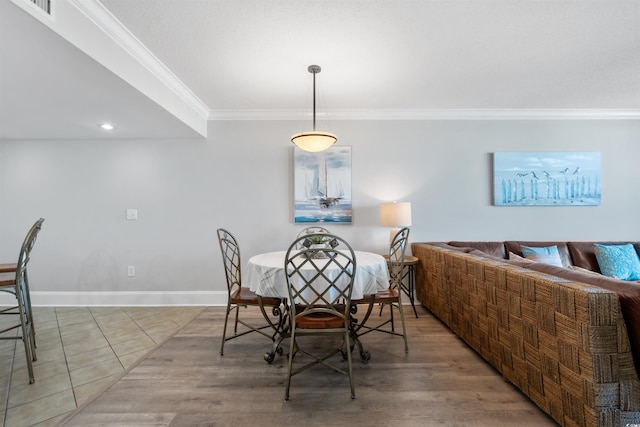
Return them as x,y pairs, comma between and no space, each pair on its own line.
110,25
434,114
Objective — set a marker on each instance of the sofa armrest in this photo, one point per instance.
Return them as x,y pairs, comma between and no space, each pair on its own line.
562,343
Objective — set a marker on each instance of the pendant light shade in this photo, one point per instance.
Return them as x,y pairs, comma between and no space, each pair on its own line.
314,141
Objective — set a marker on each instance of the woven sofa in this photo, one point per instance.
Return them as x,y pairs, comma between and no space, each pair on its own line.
562,341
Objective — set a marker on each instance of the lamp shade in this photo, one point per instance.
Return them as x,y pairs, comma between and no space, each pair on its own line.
395,214
314,141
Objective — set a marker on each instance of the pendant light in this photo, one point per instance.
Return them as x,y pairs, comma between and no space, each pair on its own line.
314,141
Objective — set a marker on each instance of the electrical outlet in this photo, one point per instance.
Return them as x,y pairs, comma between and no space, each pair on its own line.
132,214
131,271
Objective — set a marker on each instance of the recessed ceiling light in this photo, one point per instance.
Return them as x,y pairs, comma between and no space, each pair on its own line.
107,126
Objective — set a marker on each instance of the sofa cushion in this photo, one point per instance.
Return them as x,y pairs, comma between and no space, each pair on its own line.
518,260
583,254
516,247
445,245
517,257
492,248
585,271
546,255
619,261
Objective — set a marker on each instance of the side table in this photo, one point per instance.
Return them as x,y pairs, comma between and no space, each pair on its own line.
410,262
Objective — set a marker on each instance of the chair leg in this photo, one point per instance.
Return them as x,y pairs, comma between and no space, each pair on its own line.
404,329
235,327
28,319
350,364
224,331
30,311
412,287
26,333
393,323
292,342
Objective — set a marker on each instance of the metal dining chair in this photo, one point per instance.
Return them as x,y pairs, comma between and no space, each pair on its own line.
17,283
308,231
239,296
320,282
30,241
391,297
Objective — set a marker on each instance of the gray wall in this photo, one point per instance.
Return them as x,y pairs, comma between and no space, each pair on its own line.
241,179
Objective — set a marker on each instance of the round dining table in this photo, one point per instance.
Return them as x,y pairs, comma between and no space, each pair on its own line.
265,275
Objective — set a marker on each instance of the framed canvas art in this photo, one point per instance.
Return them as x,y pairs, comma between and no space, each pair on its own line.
322,185
546,179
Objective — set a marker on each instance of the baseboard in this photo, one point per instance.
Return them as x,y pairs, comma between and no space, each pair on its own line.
120,299
123,299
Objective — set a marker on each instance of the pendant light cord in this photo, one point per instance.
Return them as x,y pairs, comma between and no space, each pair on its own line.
314,100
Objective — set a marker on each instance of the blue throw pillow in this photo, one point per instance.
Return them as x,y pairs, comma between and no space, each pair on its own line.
546,255
619,261
550,250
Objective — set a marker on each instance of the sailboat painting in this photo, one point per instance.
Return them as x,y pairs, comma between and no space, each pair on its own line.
322,185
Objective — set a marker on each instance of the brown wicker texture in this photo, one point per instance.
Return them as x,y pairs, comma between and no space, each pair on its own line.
564,344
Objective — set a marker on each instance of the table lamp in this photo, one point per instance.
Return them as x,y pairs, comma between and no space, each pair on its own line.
395,215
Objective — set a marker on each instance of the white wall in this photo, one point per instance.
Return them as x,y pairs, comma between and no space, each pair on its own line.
241,179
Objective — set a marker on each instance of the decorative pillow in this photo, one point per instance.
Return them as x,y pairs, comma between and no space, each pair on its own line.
517,257
619,261
548,255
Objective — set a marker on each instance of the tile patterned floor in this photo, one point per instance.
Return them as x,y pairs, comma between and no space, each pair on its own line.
81,350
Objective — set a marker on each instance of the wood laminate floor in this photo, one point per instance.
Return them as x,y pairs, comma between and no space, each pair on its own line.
185,382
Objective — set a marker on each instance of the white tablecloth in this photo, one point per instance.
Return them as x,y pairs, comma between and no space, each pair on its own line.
264,275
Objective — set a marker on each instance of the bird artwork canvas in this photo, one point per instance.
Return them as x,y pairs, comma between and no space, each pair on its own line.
546,179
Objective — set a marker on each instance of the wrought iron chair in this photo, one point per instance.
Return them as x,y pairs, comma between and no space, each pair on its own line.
320,282
17,283
243,297
391,297
310,230
30,241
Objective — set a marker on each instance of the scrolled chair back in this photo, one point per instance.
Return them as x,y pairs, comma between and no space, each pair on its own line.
396,257
311,230
27,246
230,259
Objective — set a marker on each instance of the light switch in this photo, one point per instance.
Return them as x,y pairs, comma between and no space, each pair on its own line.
132,214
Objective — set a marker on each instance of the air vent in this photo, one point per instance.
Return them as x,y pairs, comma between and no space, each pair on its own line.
43,4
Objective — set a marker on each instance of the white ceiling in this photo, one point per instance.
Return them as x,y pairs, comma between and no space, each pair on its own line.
379,58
